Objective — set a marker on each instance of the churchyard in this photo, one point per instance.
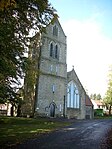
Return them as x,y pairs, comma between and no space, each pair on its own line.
14,130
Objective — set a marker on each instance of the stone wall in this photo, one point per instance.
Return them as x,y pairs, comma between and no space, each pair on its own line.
89,112
53,74
81,112
73,113
46,95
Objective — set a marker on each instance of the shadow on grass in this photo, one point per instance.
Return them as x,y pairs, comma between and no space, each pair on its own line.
15,130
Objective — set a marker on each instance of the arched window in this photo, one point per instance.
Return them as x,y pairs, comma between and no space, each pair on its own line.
53,88
51,49
56,51
73,98
55,30
69,96
51,68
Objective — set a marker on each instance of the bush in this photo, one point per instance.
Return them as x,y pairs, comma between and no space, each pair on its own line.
98,112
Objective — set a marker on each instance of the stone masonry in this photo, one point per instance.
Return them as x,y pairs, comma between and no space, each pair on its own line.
53,73
72,112
52,96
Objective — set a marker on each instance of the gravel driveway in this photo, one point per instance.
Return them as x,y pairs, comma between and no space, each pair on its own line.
82,134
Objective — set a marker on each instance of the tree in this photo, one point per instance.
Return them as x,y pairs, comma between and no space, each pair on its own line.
108,95
4,4
95,96
17,20
31,76
98,97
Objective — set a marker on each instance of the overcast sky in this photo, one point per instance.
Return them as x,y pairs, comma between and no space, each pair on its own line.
88,27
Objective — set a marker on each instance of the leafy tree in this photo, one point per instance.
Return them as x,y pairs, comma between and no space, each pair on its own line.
108,95
31,76
17,20
98,97
4,4
95,96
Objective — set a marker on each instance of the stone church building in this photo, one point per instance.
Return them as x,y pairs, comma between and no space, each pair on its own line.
52,84
59,93
76,97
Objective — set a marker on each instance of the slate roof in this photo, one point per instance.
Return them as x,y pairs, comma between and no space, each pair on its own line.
88,101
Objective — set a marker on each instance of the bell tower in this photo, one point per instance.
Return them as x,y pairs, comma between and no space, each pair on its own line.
52,83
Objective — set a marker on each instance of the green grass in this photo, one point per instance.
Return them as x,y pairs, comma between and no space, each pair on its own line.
103,117
15,130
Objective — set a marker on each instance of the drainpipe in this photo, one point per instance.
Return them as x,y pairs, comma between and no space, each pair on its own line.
64,107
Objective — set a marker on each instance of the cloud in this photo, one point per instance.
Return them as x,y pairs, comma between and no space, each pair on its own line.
90,53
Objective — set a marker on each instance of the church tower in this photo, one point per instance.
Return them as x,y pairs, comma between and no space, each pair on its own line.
52,83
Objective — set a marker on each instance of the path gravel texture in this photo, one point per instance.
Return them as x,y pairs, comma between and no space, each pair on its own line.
82,134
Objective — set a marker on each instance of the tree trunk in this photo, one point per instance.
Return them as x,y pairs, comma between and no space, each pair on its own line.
110,110
19,111
12,110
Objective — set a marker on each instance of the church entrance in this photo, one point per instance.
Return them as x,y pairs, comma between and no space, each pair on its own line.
52,109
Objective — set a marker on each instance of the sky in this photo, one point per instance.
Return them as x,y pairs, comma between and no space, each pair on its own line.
88,27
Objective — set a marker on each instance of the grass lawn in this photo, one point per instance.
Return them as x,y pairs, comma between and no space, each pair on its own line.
103,117
15,130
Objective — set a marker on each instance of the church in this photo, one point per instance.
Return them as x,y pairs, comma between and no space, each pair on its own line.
59,93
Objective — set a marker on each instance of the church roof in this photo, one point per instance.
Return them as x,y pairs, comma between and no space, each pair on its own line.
88,101
99,102
74,73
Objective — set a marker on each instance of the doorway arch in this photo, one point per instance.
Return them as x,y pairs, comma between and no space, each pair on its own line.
52,107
